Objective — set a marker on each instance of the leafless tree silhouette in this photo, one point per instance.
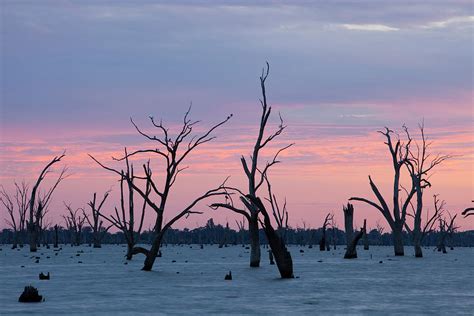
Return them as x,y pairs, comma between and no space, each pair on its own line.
124,219
94,221
446,229
280,214
74,223
400,154
39,202
323,243
16,207
173,151
420,165
256,174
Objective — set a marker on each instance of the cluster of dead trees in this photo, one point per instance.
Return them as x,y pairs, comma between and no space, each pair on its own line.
413,157
147,189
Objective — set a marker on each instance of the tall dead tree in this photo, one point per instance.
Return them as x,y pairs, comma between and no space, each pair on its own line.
173,151
323,241
396,217
75,223
351,238
98,229
255,174
420,164
39,202
16,208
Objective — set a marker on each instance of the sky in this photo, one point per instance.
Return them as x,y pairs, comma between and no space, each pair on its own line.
74,72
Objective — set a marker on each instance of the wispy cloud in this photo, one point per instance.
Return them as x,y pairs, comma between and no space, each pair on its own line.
453,21
369,27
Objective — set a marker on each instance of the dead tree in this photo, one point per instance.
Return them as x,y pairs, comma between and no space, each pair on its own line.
173,151
7,202
334,235
446,230
241,227
16,207
124,219
98,230
396,217
420,164
323,241
280,214
39,202
366,240
56,236
255,174
281,254
75,223
351,239
379,228
428,226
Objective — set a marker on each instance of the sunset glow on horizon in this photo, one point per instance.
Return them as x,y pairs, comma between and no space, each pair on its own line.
73,73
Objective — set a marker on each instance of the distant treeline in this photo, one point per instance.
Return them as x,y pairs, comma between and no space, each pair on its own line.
223,235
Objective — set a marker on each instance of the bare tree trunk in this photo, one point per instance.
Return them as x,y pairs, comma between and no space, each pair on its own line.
351,240
129,251
351,251
322,242
15,240
366,241
281,254
397,237
96,241
56,236
33,237
152,254
254,241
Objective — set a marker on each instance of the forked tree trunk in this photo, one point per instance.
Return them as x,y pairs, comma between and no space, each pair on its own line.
280,253
442,244
254,241
152,253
